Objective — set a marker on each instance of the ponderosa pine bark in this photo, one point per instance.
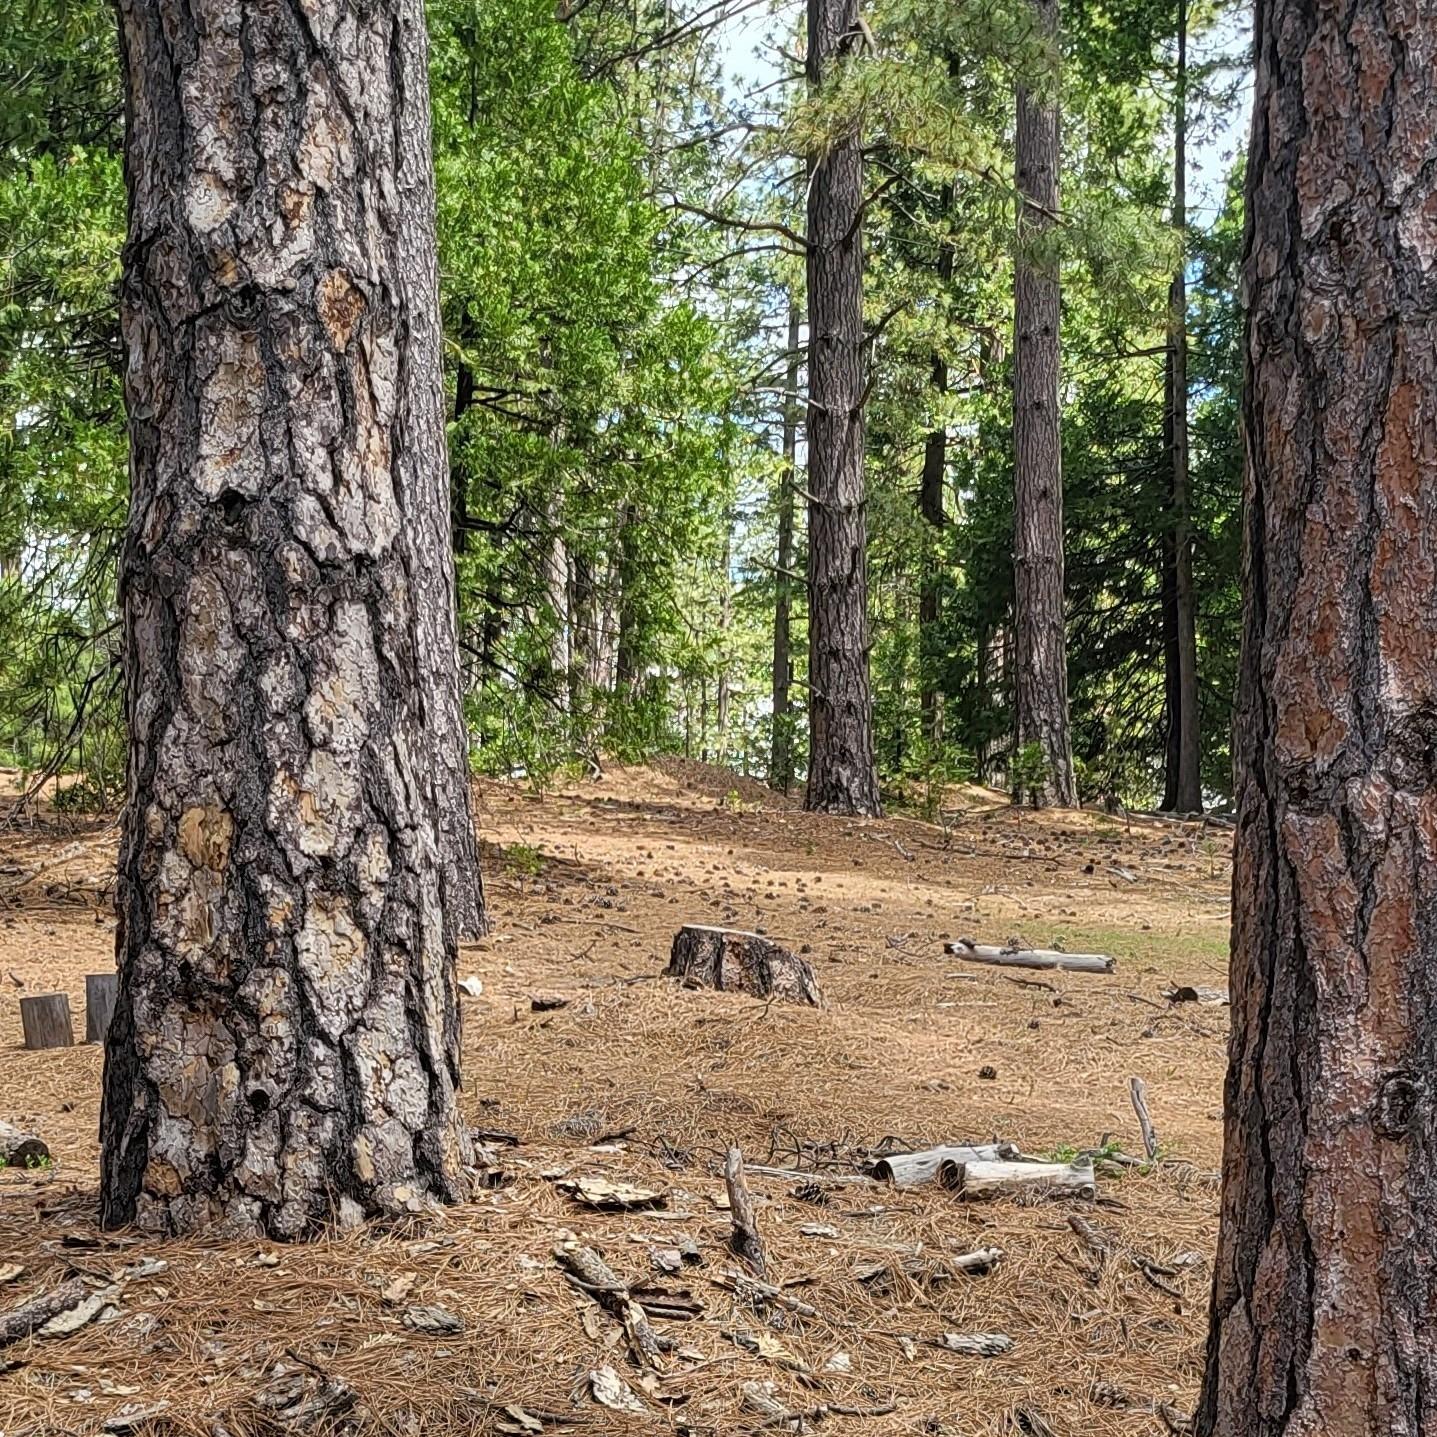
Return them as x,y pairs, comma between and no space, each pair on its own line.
1183,786
841,773
1324,1312
285,1047
780,768
1040,638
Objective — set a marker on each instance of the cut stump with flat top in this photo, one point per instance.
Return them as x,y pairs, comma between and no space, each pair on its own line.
732,961
45,1019
101,990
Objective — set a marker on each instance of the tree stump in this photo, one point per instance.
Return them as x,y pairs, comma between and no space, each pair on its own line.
101,990
46,1021
19,1149
733,961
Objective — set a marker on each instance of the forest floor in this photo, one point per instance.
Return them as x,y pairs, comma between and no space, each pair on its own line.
636,1079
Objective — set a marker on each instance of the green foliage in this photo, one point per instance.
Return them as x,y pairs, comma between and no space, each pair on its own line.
615,363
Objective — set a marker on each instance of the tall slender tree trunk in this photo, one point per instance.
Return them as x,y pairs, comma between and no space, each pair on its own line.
1184,766
725,688
930,502
781,749
1041,650
931,507
1324,1313
286,1043
841,773
626,651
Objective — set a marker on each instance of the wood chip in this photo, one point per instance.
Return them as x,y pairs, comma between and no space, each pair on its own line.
605,1196
612,1391
436,1320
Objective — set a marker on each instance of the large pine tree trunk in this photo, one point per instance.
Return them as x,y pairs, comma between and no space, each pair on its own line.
286,1042
780,768
1184,764
841,773
1324,1316
1041,688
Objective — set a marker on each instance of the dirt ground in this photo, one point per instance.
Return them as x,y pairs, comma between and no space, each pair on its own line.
639,1080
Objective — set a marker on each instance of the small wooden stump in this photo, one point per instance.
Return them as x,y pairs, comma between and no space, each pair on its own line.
19,1149
46,1021
733,961
101,990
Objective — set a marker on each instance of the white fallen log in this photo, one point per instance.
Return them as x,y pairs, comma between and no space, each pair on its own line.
991,1179
19,1149
1050,958
907,1170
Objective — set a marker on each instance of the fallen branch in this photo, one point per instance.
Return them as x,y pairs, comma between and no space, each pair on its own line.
594,1277
971,952
1138,1091
31,1316
990,1179
906,1170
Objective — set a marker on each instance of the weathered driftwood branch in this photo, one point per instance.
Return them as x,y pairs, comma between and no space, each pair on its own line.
745,1242
1138,1091
19,1149
989,1179
971,952
31,1316
907,1170
732,961
46,1021
592,1275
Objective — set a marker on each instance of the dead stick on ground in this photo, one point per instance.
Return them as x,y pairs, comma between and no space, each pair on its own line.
1139,1093
747,1245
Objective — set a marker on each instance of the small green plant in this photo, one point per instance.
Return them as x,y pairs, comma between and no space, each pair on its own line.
1028,773
523,861
732,803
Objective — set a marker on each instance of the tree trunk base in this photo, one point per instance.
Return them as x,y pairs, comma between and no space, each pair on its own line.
732,961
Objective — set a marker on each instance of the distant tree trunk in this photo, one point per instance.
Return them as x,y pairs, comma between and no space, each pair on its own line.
930,504
554,559
286,1042
1324,1312
780,766
841,773
1041,657
725,623
626,653
1184,764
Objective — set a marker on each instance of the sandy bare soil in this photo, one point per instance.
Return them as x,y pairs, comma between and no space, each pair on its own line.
639,1080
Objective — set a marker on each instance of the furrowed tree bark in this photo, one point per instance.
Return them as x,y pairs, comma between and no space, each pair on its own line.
781,748
1324,1310
1041,675
841,773
1184,772
285,1047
